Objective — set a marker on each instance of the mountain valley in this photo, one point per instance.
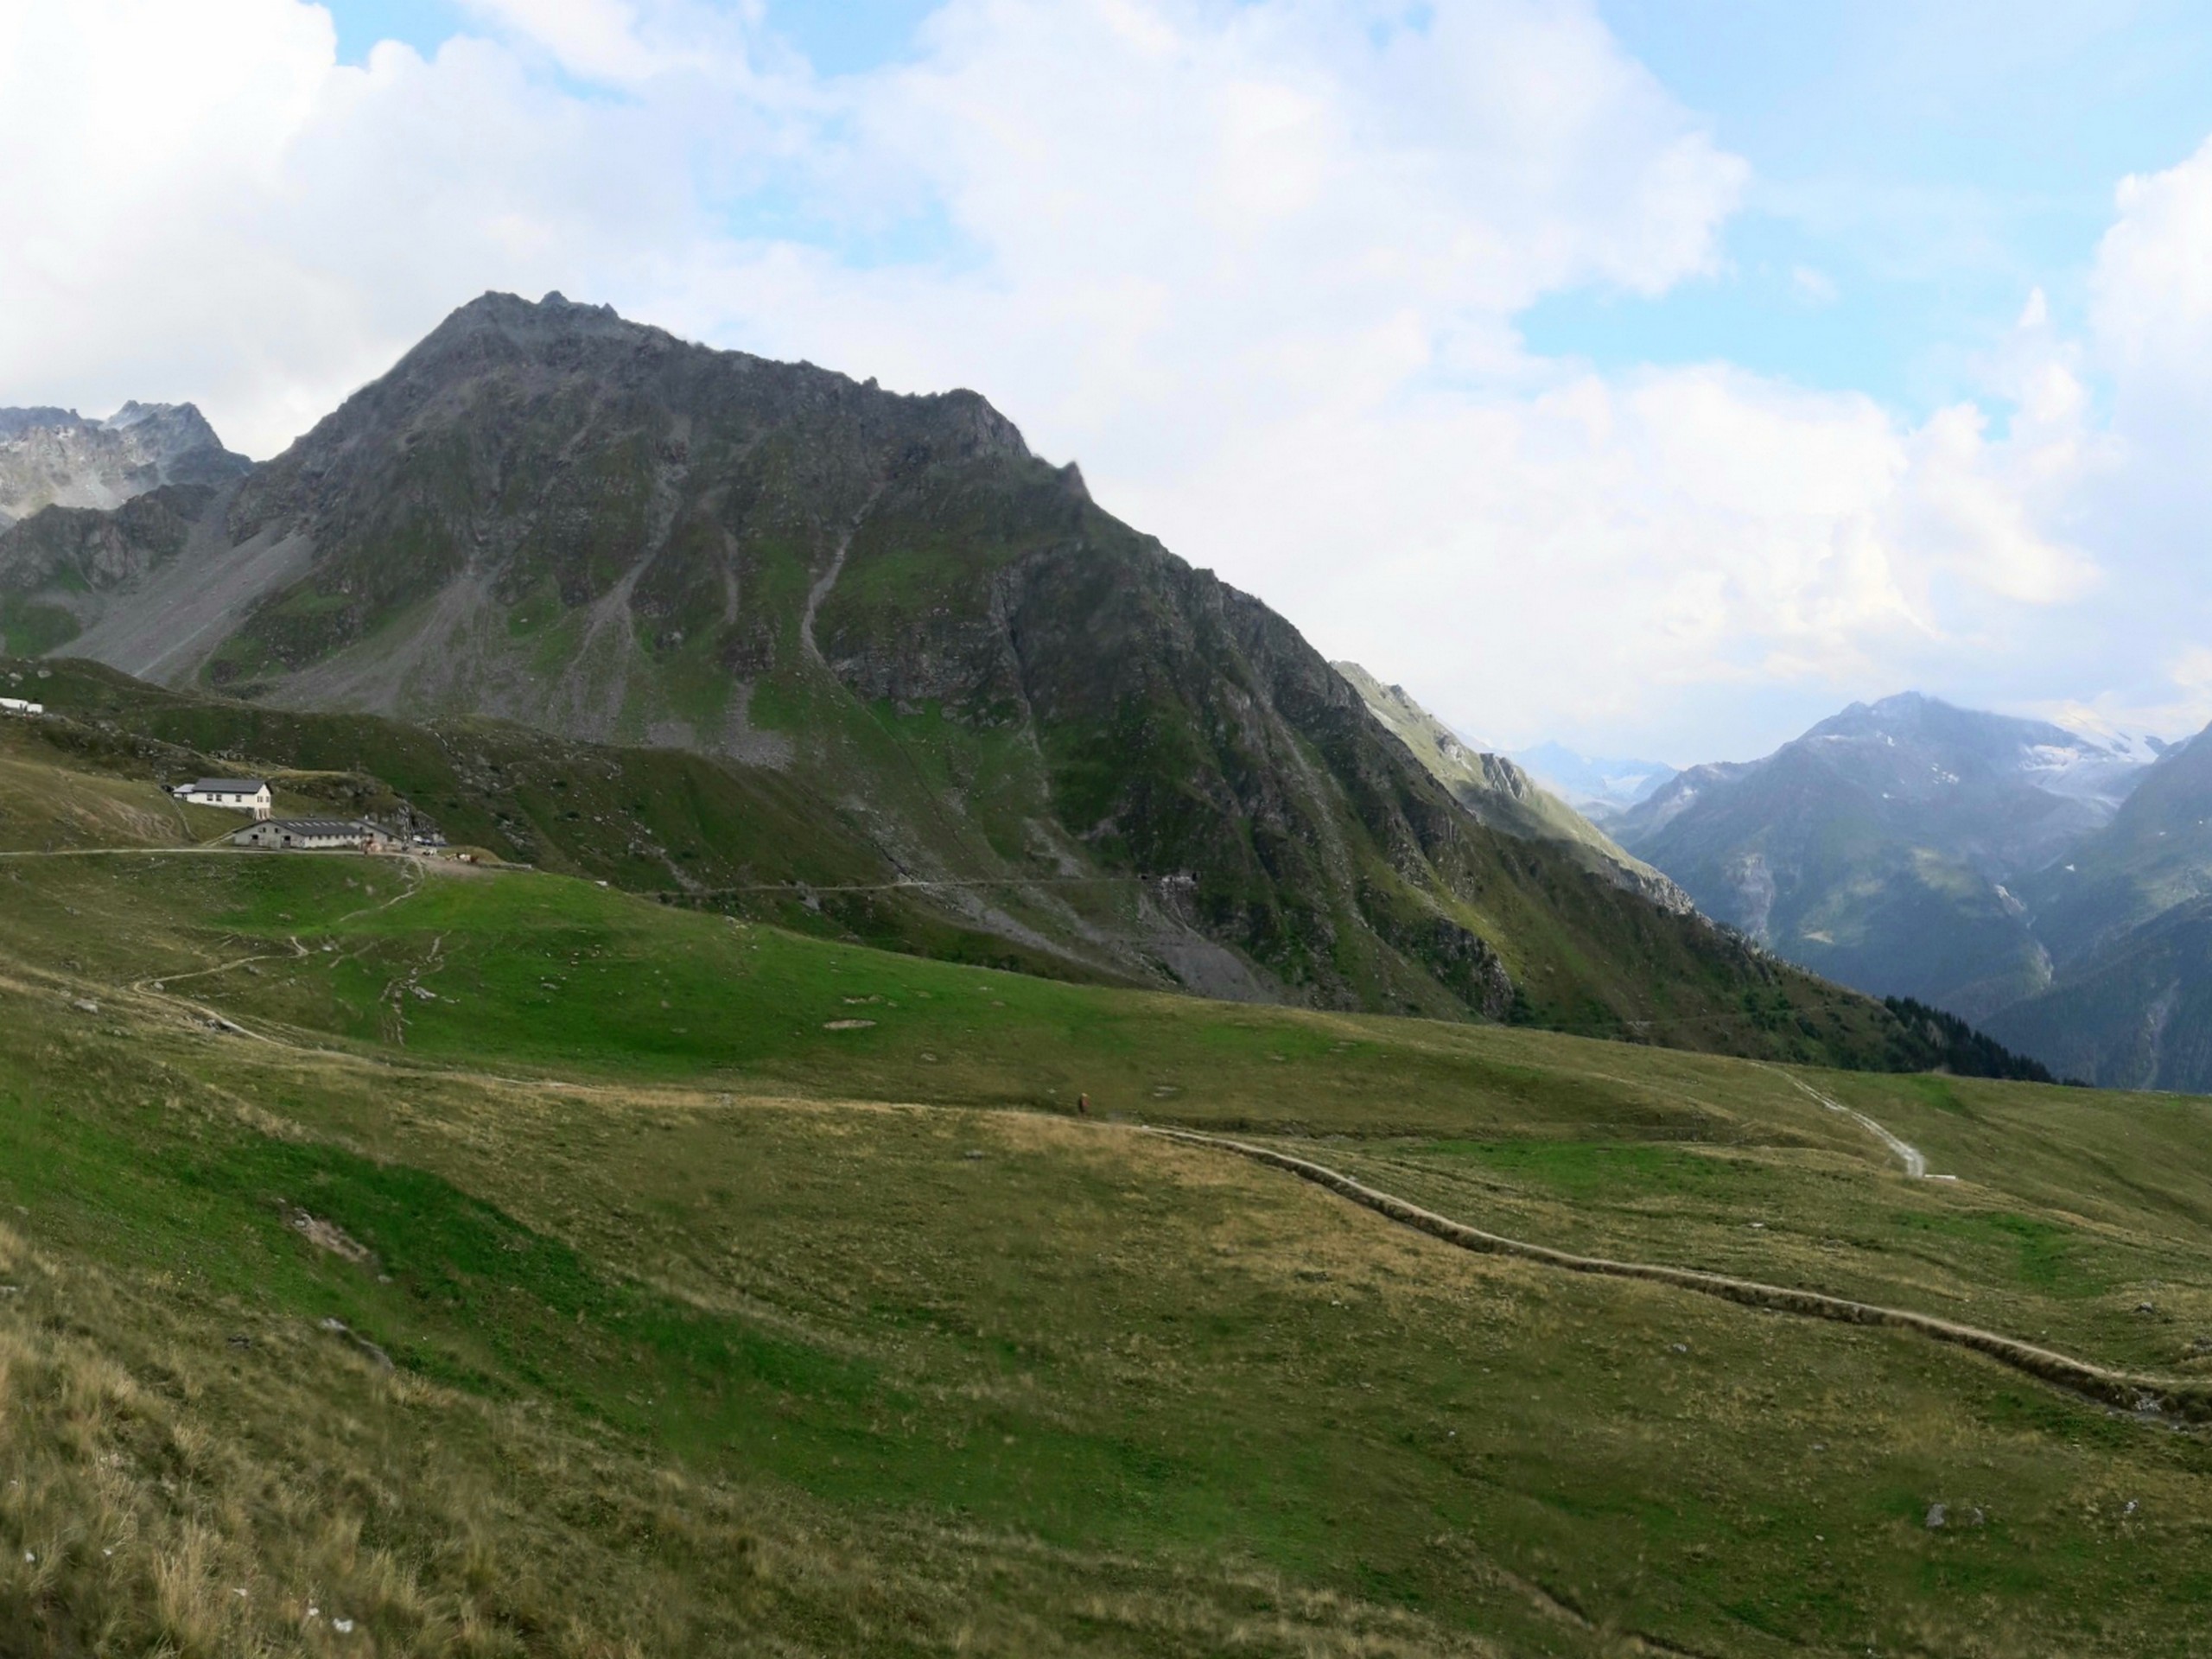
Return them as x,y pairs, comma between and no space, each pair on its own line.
740,1179
466,1257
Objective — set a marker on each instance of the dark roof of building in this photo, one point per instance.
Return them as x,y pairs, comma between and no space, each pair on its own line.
229,785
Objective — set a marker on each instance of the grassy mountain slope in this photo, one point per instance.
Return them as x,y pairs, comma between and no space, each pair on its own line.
754,843
1500,793
720,1321
888,614
746,840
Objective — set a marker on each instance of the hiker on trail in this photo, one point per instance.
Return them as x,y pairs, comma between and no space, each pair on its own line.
1083,1105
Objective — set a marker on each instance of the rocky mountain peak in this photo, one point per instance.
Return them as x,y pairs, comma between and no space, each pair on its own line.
56,457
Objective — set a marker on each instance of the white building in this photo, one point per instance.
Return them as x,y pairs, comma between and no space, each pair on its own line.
238,794
311,836
17,706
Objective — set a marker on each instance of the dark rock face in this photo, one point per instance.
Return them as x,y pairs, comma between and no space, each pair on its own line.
101,551
548,513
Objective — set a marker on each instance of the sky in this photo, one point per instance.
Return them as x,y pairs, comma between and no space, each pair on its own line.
1657,376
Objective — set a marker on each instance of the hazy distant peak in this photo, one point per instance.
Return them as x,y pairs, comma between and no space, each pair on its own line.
56,457
14,422
1592,783
1971,733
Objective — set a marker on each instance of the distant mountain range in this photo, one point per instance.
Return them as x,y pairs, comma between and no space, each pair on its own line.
2127,915
2053,886
920,639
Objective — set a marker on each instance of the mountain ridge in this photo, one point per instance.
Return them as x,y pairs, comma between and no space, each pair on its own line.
547,514
1502,794
1878,847
57,458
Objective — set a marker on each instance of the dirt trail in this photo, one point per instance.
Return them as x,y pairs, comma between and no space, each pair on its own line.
2182,1397
153,987
1916,1162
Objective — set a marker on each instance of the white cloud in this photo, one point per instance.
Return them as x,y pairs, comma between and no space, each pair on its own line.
2153,282
1813,286
596,39
1257,264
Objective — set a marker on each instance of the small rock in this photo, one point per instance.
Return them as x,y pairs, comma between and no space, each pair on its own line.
1938,1516
2130,1509
1681,1347
84,1004
2144,1307
343,1626
241,1342
971,1153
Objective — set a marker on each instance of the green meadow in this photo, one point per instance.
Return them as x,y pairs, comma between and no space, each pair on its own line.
704,1287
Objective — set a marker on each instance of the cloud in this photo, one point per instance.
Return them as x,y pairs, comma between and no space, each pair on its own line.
205,205
597,40
1257,264
1812,286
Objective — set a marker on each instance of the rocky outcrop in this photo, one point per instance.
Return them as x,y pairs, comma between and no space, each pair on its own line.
55,457
101,552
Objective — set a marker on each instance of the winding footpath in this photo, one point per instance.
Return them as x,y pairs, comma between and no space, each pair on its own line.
2186,1398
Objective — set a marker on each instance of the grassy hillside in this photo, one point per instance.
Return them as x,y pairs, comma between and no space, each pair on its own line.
751,840
761,843
747,1292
